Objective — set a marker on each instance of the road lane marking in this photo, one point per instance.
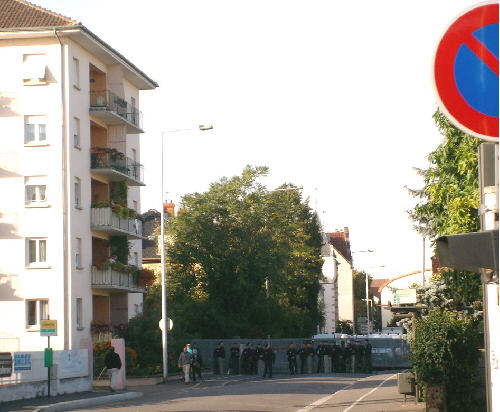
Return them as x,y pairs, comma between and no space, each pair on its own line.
317,403
368,393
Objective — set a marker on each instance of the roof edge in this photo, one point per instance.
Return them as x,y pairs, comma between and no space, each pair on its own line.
96,38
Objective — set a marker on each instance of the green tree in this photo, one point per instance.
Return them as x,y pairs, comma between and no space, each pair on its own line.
231,241
449,200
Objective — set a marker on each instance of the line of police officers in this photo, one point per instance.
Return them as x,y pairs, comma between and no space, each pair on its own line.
353,357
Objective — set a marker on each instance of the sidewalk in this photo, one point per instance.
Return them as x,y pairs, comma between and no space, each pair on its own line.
377,393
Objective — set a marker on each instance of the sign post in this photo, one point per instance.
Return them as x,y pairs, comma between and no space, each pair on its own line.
48,328
466,82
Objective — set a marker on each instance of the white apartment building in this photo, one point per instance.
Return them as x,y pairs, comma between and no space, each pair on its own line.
70,132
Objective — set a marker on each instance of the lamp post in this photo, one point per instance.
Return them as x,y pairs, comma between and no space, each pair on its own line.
163,275
366,285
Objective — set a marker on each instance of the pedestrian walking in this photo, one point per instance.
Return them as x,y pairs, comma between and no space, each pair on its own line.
184,362
303,356
259,354
219,356
367,356
234,360
291,355
268,361
113,364
196,365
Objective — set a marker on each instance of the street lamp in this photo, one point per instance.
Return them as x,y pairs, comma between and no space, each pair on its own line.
164,321
366,284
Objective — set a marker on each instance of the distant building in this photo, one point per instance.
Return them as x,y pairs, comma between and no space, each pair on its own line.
387,290
337,293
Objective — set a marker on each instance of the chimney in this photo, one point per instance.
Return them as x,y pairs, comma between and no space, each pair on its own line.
168,209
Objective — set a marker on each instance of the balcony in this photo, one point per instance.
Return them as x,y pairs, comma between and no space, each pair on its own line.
113,110
108,278
105,220
115,166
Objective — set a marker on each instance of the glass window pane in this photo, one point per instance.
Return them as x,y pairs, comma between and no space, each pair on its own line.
32,251
29,132
43,250
30,193
41,132
44,309
41,193
31,312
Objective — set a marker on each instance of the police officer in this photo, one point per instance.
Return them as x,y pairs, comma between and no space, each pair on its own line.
348,357
234,359
327,358
310,357
291,355
303,355
320,353
268,361
334,349
367,356
259,354
253,361
245,359
219,356
358,356
341,357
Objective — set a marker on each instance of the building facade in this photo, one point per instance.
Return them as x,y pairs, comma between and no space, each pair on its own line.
337,293
70,173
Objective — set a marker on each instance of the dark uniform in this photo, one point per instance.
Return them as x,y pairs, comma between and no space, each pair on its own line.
348,354
234,360
334,356
358,357
291,355
246,359
367,357
320,353
259,354
303,355
253,361
341,357
268,360
310,358
219,356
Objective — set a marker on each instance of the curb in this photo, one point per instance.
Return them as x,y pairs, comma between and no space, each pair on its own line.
89,402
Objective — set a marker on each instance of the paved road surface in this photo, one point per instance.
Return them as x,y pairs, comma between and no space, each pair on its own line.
332,393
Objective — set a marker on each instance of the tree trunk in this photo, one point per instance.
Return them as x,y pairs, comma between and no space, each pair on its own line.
435,397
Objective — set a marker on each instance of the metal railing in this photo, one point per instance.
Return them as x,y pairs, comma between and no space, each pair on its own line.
105,217
100,159
107,100
112,279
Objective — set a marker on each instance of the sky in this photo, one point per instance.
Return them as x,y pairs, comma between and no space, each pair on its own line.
334,96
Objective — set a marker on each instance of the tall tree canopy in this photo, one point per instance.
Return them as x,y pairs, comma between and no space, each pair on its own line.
449,199
227,244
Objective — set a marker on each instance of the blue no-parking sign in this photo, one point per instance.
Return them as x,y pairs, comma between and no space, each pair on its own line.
466,72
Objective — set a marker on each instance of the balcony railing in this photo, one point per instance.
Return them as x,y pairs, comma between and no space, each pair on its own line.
104,101
112,279
105,220
116,166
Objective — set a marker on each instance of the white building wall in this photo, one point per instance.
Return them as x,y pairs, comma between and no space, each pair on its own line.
345,288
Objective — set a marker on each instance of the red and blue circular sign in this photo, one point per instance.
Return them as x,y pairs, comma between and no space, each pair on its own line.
466,72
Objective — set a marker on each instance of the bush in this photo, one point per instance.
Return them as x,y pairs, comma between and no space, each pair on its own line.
445,350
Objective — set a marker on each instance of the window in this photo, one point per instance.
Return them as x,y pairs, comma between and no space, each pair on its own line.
35,189
34,66
76,73
136,259
36,310
76,132
77,193
79,313
36,251
135,205
78,253
35,130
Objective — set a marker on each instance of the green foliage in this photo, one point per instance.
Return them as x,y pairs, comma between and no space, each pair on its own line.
449,200
118,191
445,350
227,242
120,246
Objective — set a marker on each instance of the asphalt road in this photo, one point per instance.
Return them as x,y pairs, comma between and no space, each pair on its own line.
299,393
